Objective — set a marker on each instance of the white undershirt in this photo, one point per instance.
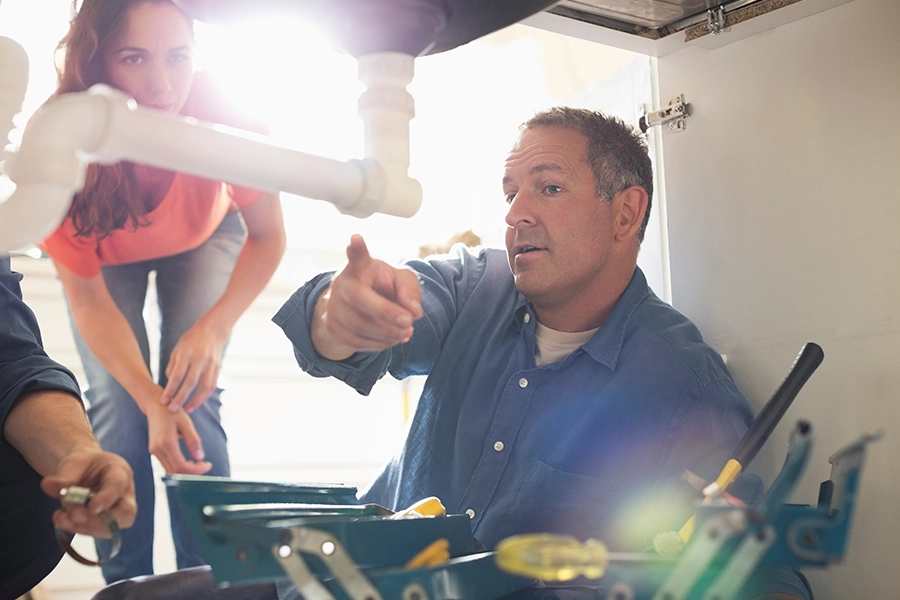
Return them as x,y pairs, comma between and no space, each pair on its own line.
552,346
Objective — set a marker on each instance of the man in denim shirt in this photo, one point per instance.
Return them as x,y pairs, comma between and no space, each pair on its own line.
46,444
562,395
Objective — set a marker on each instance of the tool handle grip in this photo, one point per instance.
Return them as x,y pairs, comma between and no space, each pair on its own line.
806,363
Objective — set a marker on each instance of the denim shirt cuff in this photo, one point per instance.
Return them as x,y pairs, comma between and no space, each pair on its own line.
295,317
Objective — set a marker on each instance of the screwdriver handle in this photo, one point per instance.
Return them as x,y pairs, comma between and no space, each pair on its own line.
806,363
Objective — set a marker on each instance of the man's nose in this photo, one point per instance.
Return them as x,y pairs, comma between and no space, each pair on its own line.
521,210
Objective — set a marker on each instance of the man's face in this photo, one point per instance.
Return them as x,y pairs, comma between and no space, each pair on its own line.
559,234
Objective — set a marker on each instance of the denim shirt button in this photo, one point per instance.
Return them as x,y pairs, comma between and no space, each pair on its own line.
498,446
471,513
523,383
527,318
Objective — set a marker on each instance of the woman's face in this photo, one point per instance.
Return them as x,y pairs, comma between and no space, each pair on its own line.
153,58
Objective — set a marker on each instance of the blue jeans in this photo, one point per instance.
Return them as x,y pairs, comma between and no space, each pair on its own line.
187,285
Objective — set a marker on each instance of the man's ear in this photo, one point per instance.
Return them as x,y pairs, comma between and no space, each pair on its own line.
629,205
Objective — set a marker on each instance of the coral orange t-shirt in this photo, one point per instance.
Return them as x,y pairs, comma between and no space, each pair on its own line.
189,213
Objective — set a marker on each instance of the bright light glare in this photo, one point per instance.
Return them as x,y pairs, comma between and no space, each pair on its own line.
285,72
645,517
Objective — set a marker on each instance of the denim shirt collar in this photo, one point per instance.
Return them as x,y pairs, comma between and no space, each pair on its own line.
605,345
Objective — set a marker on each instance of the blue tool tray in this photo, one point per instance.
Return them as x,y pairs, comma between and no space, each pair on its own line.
240,525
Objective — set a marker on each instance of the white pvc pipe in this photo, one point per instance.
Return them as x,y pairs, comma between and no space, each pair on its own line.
13,84
35,210
386,109
50,173
217,152
106,126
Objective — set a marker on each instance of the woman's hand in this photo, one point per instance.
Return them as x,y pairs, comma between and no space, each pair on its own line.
194,366
165,430
196,358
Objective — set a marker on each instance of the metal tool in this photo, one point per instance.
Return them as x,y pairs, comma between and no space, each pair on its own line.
80,496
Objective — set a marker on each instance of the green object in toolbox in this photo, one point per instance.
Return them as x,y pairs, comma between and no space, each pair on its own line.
239,523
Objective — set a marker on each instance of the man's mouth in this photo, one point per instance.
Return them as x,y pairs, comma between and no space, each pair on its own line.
527,249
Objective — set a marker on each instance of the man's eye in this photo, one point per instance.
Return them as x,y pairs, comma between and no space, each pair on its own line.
510,197
180,57
133,59
553,189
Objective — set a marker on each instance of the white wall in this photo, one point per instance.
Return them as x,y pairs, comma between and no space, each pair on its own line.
783,215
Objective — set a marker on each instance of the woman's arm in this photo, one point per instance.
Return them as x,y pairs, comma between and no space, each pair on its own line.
196,358
109,336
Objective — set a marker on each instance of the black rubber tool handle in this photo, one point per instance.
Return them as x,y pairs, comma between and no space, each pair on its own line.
806,363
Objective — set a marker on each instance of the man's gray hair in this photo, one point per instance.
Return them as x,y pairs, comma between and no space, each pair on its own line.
617,153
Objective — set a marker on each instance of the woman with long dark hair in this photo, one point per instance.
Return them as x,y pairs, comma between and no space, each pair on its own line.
212,247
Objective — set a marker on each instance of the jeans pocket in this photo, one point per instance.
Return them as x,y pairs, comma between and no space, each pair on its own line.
232,227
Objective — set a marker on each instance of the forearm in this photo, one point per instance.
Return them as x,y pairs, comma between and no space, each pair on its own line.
47,426
119,353
112,342
108,334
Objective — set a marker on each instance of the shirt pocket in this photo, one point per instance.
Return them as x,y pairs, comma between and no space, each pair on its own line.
553,501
